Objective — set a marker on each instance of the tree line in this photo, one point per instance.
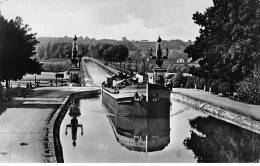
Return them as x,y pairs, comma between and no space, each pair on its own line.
55,47
109,52
57,50
228,47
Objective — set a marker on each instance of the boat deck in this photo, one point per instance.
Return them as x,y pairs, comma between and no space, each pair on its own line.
125,92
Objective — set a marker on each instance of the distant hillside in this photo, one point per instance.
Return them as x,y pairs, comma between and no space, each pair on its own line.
172,44
54,47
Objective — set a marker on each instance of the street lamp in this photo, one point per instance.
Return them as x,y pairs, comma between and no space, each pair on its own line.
159,57
159,72
75,57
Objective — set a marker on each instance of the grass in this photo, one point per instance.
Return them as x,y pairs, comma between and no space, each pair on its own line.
56,66
54,60
44,78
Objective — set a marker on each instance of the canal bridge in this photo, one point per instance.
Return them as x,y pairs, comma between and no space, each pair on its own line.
198,131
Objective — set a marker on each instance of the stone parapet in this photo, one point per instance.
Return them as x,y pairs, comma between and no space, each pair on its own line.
218,112
55,154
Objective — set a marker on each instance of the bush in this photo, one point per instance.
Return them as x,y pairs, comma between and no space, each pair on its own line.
179,80
218,86
200,82
56,66
190,82
6,95
249,89
19,92
170,76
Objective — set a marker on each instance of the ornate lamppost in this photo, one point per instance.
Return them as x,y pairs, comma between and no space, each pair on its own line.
159,57
159,71
76,59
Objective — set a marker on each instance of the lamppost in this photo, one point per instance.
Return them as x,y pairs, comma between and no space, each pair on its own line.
75,58
159,57
159,72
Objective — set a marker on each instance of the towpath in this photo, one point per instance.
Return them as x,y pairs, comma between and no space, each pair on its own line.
248,110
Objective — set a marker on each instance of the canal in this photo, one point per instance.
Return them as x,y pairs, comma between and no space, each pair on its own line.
187,136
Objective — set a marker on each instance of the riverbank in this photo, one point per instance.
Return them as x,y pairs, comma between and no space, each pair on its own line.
241,114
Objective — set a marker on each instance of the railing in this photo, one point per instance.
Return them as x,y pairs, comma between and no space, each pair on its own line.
116,67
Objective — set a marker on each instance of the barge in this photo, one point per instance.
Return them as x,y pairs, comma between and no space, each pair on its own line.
139,96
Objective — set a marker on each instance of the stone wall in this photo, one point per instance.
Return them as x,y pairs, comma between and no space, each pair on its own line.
220,113
54,144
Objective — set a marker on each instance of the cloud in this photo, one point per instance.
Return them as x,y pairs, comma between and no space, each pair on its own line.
110,13
133,19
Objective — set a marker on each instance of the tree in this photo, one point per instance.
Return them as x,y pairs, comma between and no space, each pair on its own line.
228,47
86,49
115,53
54,50
17,47
108,54
121,52
92,51
41,52
102,48
48,51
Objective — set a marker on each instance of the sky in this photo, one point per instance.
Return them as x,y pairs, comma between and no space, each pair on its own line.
109,19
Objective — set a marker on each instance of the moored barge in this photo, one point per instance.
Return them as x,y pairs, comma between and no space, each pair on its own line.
139,96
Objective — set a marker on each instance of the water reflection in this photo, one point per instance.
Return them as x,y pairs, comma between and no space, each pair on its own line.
74,112
213,140
141,134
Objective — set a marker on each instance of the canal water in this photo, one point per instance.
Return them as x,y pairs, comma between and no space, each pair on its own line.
187,136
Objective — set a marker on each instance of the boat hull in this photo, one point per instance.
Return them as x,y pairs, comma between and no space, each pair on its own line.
127,105
141,134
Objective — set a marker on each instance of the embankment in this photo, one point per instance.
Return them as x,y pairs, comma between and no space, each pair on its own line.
54,144
219,112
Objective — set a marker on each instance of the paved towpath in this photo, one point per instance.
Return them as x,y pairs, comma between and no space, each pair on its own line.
24,122
250,110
